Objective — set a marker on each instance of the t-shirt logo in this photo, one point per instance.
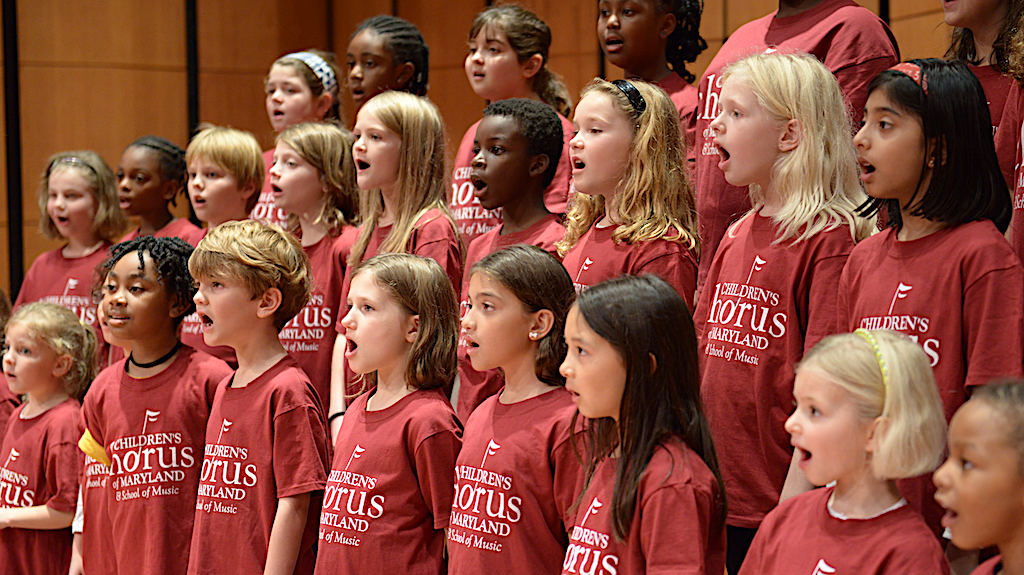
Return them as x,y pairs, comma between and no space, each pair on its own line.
580,288
902,291
592,510
492,449
13,492
913,326
756,267
72,284
356,454
823,568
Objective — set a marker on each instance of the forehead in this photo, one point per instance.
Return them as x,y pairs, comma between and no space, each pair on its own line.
364,284
129,265
497,126
68,176
811,383
285,72
736,87
595,104
140,157
979,423
367,120
368,42
491,33
482,281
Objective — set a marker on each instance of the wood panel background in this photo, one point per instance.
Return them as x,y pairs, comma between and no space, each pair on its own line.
100,74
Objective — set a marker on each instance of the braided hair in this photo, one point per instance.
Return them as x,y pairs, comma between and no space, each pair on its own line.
685,43
170,157
403,39
170,258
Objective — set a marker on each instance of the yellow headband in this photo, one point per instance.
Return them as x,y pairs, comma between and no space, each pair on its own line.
868,337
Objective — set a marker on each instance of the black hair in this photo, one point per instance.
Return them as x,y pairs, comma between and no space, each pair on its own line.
685,43
403,39
648,323
539,123
170,258
170,157
966,182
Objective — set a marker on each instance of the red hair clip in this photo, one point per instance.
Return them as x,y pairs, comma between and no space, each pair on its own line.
914,72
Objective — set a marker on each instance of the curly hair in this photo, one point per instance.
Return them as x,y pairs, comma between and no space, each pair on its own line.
171,158
539,124
170,258
1007,50
403,39
685,43
60,329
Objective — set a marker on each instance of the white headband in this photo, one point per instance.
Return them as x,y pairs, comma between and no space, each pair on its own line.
324,72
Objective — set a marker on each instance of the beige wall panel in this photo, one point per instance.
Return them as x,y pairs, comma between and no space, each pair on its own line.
739,12
446,30
459,106
712,20
301,24
921,36
900,9
576,71
237,36
123,32
236,100
698,67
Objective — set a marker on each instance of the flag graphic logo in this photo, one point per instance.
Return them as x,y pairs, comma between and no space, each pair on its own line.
902,291
756,267
823,568
72,284
592,510
356,454
492,448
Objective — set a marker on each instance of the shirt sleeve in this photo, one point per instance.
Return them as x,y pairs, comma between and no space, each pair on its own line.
994,326
675,526
435,471
678,269
568,476
854,82
62,468
437,239
300,451
823,300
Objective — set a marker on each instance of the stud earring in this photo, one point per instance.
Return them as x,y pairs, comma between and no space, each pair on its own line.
533,335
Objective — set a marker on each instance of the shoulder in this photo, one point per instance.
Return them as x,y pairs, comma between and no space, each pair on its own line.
482,246
290,388
674,465
209,367
428,413
105,381
435,225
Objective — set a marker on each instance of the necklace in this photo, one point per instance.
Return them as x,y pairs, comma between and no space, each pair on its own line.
162,359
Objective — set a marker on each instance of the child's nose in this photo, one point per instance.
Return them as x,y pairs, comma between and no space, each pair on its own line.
612,22
941,476
716,125
478,160
791,426
564,369
356,73
860,140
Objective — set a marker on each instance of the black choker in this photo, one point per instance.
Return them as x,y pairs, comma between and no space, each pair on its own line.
164,358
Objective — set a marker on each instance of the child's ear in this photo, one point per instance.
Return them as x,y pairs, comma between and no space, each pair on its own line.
654,363
178,308
269,302
412,330
539,165
247,191
62,366
405,73
543,321
790,136
875,431
532,65
929,152
323,104
170,190
668,24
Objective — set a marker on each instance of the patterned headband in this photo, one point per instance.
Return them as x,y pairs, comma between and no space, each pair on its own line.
70,160
634,96
914,72
319,66
870,338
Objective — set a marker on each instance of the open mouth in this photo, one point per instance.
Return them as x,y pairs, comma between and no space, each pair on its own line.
478,183
278,113
197,201
275,189
613,43
866,168
362,164
206,320
578,164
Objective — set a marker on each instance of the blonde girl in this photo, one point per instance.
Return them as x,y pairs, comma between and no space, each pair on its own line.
390,485
634,211
313,180
784,132
867,413
400,167
49,359
508,57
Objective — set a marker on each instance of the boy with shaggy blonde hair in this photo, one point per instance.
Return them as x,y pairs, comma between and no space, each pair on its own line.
266,458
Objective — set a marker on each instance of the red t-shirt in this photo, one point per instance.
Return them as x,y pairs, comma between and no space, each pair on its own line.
802,536
684,96
8,403
97,539
958,292
997,90
476,386
1009,138
389,496
153,430
514,484
597,257
264,441
675,526
309,336
41,464
471,218
990,567
177,228
849,39
54,278
265,209
764,306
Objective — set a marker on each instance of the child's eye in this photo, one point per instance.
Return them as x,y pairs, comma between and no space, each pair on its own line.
476,149
628,12
497,150
966,465
594,130
604,13
135,289
814,412
883,125
211,174
368,64
367,307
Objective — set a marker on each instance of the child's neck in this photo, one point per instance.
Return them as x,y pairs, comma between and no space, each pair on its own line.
387,215
519,216
42,400
391,388
210,224
611,212
256,356
793,7
654,71
916,227
150,224
521,381
81,247
985,35
311,232
150,350
1013,555
865,496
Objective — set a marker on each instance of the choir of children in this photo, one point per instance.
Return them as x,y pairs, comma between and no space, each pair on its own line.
600,427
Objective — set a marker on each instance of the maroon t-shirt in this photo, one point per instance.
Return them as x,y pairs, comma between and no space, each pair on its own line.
41,464
177,228
68,282
848,38
153,430
675,527
476,386
597,257
98,547
264,441
958,292
514,484
684,96
309,337
8,403
764,305
265,209
997,89
389,496
802,536
1008,137
471,218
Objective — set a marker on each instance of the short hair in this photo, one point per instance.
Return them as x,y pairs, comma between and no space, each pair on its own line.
1007,399
169,156
407,46
328,148
170,262
313,82
539,281
820,175
237,151
539,123
912,435
955,116
261,256
420,286
61,330
110,222
657,200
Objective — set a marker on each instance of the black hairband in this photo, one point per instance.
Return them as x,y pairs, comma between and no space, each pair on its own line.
632,94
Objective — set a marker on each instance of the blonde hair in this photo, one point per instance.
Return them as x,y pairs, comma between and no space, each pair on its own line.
420,286
237,151
422,181
61,330
912,432
328,148
818,179
657,199
261,256
109,222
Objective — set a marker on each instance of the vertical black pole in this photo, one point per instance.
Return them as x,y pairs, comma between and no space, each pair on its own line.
192,77
883,10
12,111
